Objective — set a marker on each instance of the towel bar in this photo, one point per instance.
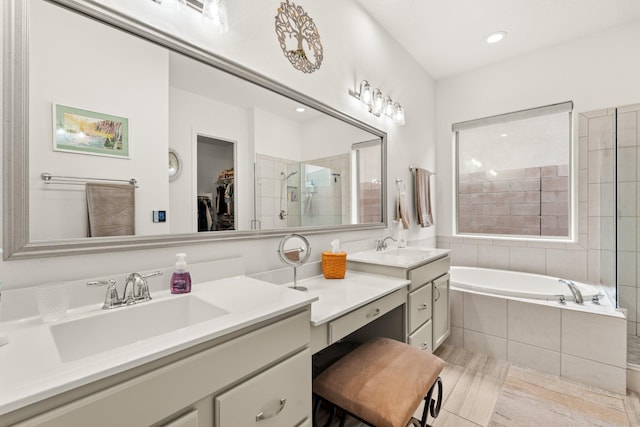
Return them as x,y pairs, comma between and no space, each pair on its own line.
411,169
49,179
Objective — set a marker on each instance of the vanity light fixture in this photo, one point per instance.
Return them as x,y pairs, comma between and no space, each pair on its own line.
213,12
398,114
366,93
496,37
378,104
388,106
172,4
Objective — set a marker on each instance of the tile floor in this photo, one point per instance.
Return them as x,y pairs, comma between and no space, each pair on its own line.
483,391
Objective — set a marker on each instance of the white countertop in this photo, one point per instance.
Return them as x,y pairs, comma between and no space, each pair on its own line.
31,369
336,297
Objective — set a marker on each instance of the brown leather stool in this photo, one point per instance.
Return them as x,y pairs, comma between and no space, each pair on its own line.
381,383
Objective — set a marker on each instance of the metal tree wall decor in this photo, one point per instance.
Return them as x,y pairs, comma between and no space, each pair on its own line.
298,37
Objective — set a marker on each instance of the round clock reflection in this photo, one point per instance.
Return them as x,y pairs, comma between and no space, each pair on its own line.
175,165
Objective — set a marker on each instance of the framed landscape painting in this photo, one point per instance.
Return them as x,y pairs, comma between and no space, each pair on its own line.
89,132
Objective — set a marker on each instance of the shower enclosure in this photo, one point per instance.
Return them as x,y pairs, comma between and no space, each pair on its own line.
287,193
609,207
300,194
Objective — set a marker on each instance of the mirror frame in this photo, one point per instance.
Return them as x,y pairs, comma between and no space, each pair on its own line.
17,244
282,253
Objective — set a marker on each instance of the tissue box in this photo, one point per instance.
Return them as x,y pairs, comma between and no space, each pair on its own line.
334,265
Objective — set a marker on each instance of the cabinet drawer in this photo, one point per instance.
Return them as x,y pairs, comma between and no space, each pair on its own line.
422,337
277,397
426,273
188,420
419,307
348,323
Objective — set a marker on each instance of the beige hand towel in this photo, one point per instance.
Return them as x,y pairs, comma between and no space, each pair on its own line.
423,197
111,209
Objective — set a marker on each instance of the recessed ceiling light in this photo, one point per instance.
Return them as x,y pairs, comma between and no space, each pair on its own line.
300,110
496,37
504,135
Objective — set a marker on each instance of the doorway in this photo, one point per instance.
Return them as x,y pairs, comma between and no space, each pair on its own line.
215,184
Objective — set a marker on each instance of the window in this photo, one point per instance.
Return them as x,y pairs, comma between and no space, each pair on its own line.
513,174
368,170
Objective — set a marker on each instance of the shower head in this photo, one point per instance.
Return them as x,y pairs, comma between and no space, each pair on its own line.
291,174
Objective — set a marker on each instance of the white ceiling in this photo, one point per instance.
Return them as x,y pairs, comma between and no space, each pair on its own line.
447,37
210,82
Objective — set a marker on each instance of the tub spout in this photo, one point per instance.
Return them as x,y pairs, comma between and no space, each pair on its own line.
577,295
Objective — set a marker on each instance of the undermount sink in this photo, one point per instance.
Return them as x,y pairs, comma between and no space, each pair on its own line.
400,257
109,329
408,252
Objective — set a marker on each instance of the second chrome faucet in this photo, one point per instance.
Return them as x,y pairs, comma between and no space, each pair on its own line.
136,289
381,244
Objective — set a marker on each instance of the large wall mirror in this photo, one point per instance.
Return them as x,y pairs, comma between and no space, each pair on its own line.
105,105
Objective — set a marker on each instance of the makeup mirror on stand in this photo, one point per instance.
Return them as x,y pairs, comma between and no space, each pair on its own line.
294,250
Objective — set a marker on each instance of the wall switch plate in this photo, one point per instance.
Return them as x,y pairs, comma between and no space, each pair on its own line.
159,216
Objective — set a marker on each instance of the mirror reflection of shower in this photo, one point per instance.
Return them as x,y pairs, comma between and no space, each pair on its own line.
284,194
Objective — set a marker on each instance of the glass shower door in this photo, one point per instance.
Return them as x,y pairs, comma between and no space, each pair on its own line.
627,216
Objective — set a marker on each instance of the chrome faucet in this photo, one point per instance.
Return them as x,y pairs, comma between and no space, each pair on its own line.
381,244
136,289
577,295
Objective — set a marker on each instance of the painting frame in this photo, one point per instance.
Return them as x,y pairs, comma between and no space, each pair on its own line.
81,131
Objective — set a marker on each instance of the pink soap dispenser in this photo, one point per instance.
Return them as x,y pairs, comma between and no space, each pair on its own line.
181,279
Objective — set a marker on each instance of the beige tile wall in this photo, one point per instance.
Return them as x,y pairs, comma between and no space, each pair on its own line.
559,340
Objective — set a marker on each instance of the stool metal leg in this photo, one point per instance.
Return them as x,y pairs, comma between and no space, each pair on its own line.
314,415
432,406
435,406
343,419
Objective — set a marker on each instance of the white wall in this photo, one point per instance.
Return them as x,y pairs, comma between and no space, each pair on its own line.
90,68
190,115
595,72
326,137
276,136
347,39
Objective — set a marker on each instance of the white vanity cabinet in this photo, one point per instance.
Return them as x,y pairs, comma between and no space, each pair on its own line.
441,317
261,373
428,323
277,397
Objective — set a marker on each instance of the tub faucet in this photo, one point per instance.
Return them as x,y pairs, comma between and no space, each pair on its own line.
381,244
577,295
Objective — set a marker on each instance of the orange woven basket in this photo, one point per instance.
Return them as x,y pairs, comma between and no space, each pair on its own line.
334,266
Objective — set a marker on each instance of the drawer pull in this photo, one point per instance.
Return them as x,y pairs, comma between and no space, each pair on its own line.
423,307
437,289
424,346
261,416
373,313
